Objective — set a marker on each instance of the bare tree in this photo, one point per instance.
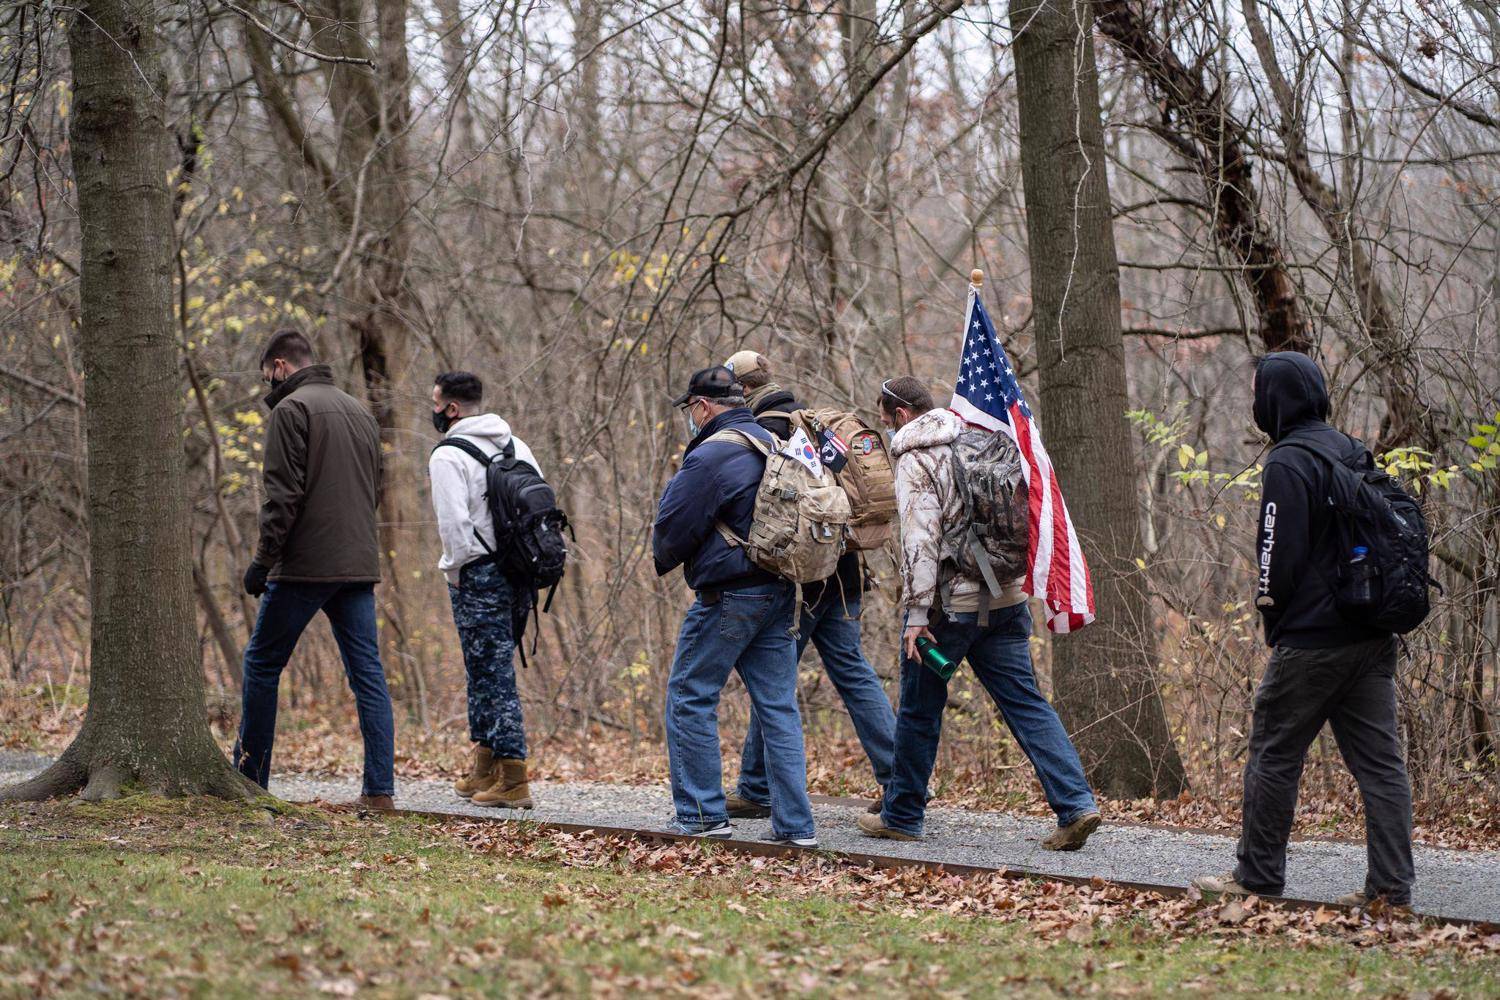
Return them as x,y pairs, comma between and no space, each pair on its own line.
1104,678
146,721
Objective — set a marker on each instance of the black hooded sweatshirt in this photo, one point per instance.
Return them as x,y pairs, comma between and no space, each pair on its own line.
1296,555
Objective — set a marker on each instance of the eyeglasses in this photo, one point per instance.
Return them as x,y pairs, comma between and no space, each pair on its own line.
885,390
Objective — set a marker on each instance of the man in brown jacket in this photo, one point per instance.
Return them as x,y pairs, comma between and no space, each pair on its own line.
318,552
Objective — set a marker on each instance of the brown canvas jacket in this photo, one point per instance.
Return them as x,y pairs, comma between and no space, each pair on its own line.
322,484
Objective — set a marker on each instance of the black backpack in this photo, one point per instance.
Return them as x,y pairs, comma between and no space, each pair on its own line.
1387,589
529,545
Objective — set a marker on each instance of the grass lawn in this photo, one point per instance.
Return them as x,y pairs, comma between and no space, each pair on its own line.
201,898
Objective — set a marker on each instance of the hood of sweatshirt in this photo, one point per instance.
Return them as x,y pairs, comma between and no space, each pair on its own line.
1289,393
931,429
484,426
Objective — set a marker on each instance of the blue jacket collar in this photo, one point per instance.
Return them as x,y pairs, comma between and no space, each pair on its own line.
729,418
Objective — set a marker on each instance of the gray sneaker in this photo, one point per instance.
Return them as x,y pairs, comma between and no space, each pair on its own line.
721,832
808,842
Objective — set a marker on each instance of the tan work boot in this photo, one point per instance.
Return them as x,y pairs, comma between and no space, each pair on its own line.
484,773
510,791
1073,836
873,825
1214,886
1358,900
738,808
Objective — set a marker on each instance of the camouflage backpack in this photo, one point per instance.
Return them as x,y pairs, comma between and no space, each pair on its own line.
798,530
866,476
991,541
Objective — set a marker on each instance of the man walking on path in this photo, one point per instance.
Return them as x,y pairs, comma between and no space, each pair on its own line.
830,621
1323,667
317,552
485,604
740,620
942,604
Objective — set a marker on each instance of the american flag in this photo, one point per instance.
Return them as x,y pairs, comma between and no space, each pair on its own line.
987,394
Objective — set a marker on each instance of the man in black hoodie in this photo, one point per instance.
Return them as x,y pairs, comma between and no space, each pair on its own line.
1323,667
830,621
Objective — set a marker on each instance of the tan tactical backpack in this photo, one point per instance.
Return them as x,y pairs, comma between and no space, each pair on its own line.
868,477
800,521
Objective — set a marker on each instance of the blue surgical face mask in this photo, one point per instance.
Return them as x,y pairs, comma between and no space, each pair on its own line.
692,424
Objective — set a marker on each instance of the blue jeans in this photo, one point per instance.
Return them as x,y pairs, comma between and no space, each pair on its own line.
285,610
833,628
482,606
1000,654
747,629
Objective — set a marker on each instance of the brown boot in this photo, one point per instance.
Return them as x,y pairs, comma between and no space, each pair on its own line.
1074,835
511,790
484,773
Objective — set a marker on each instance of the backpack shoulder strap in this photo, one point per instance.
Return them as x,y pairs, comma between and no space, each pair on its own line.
730,538
733,435
467,447
1311,449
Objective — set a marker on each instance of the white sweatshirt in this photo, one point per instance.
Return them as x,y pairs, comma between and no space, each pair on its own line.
458,490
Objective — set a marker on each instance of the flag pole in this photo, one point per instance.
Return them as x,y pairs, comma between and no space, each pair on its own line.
976,277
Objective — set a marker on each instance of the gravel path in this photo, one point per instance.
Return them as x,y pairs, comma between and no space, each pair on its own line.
1462,884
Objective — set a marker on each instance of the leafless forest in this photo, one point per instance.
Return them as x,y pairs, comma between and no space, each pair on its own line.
584,202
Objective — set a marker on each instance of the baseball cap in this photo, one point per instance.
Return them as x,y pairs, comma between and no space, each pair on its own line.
745,362
711,383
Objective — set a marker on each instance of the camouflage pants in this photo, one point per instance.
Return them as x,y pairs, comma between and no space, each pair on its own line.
482,611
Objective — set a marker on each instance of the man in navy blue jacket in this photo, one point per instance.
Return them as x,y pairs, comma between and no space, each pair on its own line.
741,619
1323,668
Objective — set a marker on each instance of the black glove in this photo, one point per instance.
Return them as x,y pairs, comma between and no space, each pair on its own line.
255,579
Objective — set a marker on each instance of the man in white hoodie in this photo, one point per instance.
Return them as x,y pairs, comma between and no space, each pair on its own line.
485,605
942,603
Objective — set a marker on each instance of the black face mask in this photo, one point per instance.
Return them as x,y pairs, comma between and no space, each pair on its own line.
276,383
441,421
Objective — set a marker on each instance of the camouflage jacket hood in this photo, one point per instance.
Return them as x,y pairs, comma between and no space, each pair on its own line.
927,500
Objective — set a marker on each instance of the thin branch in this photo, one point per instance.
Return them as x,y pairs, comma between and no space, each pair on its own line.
36,383
288,43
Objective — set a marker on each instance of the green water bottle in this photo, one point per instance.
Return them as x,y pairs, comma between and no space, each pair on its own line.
934,660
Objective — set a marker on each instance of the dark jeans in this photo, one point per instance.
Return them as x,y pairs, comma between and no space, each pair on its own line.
748,629
833,627
285,610
482,603
1000,654
1353,689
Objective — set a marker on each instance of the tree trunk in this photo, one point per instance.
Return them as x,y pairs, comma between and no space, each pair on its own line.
147,724
1104,679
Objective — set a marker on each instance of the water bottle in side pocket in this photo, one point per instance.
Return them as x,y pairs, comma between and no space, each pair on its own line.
1361,593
